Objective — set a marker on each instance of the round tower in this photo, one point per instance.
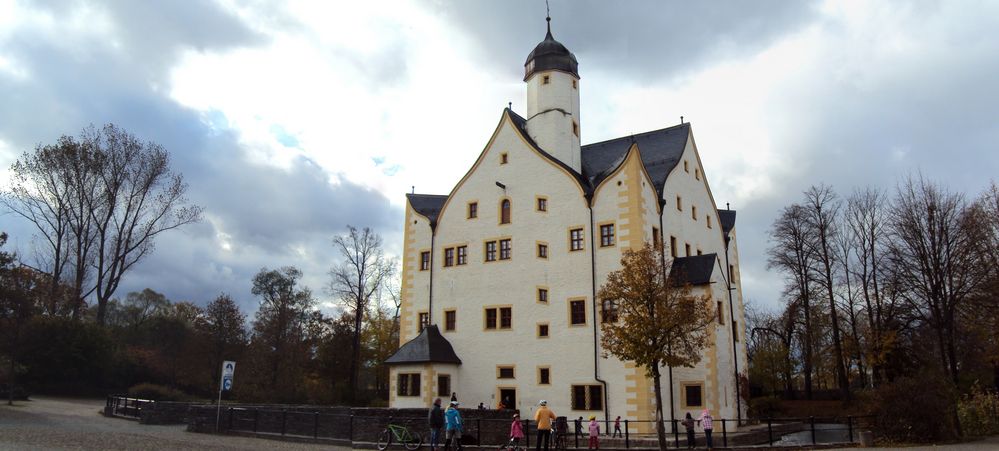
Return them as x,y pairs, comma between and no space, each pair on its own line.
552,76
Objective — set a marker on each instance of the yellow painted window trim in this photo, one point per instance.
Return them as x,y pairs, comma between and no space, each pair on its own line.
683,394
536,204
569,237
511,366
499,211
537,294
538,373
537,331
446,311
498,320
601,236
568,306
537,250
420,313
419,259
468,209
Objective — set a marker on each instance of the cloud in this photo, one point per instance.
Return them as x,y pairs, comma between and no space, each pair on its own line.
293,119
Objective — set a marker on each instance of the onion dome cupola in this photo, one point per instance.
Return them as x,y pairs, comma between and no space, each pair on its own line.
552,77
550,55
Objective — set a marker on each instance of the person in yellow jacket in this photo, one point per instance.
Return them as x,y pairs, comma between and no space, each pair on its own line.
544,417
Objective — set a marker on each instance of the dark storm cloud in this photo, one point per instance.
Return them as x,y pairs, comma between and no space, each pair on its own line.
644,39
265,216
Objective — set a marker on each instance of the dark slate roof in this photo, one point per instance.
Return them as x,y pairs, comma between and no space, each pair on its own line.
727,220
550,54
428,205
695,269
428,347
661,151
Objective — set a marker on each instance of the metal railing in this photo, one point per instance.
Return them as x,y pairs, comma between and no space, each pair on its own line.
774,432
123,406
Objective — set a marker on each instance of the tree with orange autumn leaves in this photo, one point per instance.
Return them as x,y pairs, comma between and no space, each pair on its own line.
660,321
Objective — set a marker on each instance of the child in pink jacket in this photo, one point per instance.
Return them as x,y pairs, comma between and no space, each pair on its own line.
516,430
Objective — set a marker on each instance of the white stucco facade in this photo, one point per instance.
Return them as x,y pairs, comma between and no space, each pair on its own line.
489,309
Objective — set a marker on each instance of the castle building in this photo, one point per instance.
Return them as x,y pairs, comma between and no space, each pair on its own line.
500,276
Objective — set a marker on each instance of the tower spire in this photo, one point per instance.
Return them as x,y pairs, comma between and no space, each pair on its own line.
548,18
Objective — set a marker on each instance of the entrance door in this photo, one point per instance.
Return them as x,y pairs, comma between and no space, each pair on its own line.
508,396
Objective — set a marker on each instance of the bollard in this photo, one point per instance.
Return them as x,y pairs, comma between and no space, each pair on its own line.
627,443
350,430
230,418
724,434
315,425
478,432
811,422
770,431
527,433
849,425
575,433
284,420
676,434
256,419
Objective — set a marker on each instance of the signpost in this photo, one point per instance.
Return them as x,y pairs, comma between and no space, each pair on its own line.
228,368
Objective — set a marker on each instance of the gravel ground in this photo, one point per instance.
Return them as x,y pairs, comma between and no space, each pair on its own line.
62,424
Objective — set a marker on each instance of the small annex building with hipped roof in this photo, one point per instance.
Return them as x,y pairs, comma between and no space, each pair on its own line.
500,276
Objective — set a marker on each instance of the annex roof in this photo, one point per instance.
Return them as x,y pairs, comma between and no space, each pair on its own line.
428,347
727,220
694,269
428,205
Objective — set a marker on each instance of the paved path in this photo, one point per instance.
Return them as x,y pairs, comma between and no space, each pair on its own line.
990,443
63,424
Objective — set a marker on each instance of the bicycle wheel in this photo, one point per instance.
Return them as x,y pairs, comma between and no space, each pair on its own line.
384,440
414,442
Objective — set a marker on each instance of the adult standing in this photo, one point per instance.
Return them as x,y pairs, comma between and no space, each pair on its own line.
617,427
706,422
452,420
436,420
543,416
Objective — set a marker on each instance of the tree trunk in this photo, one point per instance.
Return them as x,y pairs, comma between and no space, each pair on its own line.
660,427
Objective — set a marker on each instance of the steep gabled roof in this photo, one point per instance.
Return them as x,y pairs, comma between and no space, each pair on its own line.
694,269
428,347
661,151
727,220
428,205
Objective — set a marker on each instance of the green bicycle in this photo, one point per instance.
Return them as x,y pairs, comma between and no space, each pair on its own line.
394,432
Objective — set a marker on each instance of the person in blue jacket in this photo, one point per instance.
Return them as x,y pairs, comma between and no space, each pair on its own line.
452,420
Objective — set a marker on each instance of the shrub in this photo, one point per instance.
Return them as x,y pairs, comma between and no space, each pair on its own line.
978,412
157,393
915,409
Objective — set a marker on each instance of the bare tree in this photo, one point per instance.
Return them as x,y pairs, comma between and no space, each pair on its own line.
822,211
356,280
98,202
934,258
790,253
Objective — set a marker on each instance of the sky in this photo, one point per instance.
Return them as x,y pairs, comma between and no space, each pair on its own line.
292,120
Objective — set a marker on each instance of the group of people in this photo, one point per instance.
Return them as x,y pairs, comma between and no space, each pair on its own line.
449,421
